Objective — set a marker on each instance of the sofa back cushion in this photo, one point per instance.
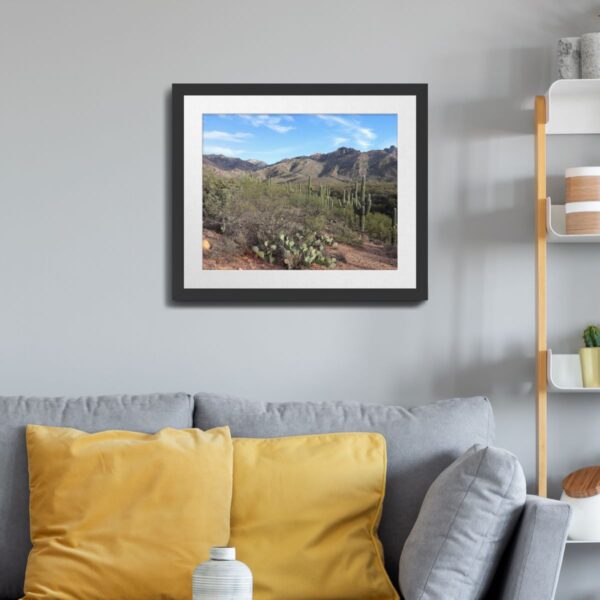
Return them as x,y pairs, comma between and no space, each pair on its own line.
147,414
421,443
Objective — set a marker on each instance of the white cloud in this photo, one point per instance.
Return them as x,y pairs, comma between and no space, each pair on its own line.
223,136
338,141
270,121
219,150
361,136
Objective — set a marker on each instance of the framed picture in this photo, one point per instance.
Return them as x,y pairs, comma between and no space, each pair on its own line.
299,193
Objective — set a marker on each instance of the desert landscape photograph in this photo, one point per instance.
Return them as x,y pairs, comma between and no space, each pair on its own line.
301,191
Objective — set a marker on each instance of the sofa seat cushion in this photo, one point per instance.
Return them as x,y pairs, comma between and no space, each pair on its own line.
145,413
421,443
124,515
466,521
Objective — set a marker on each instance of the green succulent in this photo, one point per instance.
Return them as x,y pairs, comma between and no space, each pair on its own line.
591,337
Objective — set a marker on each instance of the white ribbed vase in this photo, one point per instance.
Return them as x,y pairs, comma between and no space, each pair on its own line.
222,577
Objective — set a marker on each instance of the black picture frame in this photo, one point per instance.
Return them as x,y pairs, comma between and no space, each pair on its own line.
299,295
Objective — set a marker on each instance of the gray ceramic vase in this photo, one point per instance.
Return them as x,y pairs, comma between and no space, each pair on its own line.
590,55
569,58
222,577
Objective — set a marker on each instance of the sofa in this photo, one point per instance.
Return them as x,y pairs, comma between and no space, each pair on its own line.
421,443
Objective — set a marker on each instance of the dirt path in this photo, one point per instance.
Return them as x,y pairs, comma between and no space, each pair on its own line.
369,256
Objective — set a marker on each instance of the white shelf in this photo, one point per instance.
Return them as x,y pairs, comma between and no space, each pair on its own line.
582,542
573,106
564,374
557,229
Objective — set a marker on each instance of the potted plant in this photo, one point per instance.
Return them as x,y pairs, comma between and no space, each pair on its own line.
590,357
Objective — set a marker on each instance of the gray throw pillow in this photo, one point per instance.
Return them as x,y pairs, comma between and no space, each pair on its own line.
466,520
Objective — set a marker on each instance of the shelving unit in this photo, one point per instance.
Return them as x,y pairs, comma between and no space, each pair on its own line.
569,107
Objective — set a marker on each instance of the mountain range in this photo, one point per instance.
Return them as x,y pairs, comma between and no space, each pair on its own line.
341,165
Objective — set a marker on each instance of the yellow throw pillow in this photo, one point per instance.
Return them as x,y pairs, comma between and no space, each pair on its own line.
124,516
305,513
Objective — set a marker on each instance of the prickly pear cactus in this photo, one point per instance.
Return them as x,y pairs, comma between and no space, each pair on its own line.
296,251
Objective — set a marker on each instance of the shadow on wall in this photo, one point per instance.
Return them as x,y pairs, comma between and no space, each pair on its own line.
477,236
492,222
486,220
507,110
510,376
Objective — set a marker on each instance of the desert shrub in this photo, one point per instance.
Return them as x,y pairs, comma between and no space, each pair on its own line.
217,193
347,235
379,227
343,229
315,221
225,248
248,221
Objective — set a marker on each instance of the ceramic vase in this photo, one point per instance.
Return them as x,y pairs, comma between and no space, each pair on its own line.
222,577
569,58
590,56
585,520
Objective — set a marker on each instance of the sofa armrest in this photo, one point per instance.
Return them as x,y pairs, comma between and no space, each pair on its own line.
532,562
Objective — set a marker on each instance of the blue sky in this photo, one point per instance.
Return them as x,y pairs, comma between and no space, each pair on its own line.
272,137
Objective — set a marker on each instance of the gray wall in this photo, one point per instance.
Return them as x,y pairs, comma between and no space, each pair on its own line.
84,200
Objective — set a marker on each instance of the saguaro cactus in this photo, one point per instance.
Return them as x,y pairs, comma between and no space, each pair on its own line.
362,205
309,188
325,196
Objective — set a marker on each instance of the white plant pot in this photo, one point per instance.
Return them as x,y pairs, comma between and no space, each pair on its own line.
585,521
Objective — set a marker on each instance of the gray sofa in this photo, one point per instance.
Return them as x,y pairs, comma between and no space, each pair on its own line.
421,443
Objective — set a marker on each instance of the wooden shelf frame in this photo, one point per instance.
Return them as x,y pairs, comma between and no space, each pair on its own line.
541,261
